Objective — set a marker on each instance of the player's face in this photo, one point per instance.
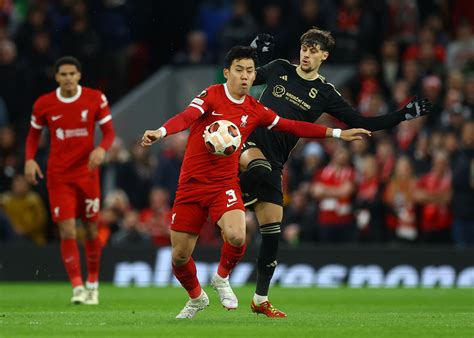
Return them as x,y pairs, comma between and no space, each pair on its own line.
311,57
68,77
240,77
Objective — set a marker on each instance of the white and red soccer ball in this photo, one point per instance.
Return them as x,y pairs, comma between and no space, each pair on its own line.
222,138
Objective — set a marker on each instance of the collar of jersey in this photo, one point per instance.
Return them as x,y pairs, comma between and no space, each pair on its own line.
68,99
227,93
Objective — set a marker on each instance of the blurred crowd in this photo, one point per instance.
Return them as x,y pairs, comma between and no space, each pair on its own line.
411,184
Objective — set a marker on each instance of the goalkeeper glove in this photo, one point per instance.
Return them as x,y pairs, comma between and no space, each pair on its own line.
263,43
416,108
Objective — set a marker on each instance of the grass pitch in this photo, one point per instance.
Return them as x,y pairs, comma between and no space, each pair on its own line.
42,310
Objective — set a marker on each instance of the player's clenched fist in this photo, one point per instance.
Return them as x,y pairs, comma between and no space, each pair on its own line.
150,137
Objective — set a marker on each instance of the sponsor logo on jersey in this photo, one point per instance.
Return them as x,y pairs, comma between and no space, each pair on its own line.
62,134
56,117
243,120
84,115
231,204
216,114
284,77
202,94
278,91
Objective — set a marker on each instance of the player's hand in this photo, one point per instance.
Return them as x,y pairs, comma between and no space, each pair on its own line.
32,171
354,134
263,43
416,108
96,158
150,137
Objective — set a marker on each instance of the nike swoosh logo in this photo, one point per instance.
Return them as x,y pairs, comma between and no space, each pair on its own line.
230,204
216,114
57,117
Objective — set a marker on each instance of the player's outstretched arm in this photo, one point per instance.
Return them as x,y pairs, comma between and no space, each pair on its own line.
344,112
313,130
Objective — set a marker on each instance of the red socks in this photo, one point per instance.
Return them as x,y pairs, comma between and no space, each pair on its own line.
230,256
72,261
93,253
187,276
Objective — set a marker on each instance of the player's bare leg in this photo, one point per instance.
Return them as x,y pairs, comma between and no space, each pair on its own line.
269,216
184,269
93,249
232,224
71,259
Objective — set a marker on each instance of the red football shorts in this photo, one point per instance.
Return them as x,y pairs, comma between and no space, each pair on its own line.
78,198
195,201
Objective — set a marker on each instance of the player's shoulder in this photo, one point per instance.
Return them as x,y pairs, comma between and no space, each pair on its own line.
45,100
91,92
216,89
279,64
326,85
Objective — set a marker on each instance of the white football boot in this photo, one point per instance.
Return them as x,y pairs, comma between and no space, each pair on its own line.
227,296
78,295
193,306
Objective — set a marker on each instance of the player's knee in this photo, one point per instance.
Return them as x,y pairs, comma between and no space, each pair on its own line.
180,257
67,230
236,238
257,171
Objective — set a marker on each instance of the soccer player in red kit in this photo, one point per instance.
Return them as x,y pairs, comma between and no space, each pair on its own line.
209,184
70,113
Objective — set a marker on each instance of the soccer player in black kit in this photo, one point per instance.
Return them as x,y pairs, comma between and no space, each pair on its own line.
297,93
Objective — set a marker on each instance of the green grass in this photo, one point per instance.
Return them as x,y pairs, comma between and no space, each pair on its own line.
42,310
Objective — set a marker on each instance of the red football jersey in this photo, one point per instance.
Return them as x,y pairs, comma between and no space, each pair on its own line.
215,103
71,123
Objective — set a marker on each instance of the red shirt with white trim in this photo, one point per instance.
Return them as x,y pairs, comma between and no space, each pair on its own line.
216,103
71,123
333,210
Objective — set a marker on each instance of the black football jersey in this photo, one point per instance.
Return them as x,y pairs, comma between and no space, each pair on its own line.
293,97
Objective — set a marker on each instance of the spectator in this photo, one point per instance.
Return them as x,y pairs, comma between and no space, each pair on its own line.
385,155
298,220
26,211
304,166
368,206
421,157
239,30
196,52
434,193
129,232
398,197
137,174
155,220
463,190
166,174
390,61
460,50
333,188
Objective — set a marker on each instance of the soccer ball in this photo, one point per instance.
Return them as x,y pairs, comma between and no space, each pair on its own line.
222,138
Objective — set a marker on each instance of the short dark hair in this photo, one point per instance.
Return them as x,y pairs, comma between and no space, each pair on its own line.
315,36
239,53
67,60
